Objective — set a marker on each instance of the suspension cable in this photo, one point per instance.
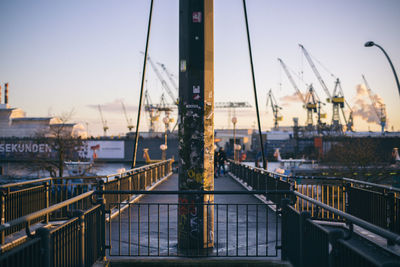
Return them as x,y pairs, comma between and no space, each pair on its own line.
141,87
254,85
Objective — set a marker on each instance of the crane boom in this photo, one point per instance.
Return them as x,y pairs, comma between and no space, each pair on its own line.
169,75
316,72
292,81
104,122
128,120
381,114
232,105
370,96
162,80
152,111
275,108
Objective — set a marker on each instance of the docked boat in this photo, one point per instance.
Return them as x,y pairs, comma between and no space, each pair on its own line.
78,168
290,167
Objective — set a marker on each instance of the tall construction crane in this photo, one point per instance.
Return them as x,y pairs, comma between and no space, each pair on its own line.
167,109
338,91
162,80
104,122
152,111
285,68
128,120
271,101
218,105
231,106
337,98
311,101
379,108
169,75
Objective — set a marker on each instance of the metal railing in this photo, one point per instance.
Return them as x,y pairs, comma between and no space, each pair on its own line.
65,244
19,199
306,242
378,204
151,229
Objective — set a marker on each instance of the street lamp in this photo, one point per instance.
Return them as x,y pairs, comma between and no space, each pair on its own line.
369,44
234,121
164,146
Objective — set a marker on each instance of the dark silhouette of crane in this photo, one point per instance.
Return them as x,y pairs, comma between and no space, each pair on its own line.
128,120
103,121
271,101
379,107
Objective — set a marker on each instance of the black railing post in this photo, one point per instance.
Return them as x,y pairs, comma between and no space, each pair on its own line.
119,188
304,216
3,195
347,190
284,238
130,175
390,214
101,200
334,255
47,204
45,245
146,182
81,215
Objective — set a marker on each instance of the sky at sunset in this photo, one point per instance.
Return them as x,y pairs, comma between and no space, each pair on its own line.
59,56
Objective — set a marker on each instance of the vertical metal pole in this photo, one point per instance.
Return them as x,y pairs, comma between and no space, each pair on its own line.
45,236
3,195
196,124
391,214
101,200
284,221
254,85
81,215
141,87
47,186
234,143
303,240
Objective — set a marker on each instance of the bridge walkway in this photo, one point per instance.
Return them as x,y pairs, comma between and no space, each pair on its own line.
243,225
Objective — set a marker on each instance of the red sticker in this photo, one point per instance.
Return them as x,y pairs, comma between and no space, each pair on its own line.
196,16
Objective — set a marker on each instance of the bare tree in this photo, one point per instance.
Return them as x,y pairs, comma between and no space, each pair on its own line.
63,145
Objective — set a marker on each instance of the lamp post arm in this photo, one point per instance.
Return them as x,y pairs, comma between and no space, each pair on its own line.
391,65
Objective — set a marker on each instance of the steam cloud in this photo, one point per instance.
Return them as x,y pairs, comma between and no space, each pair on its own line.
115,106
287,100
363,107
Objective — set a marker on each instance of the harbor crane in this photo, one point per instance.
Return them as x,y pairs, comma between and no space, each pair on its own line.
152,111
337,98
128,120
311,101
167,109
218,105
379,107
271,101
231,106
103,121
169,75
162,80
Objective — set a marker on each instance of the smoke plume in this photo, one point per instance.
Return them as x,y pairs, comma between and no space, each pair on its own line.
115,106
288,99
363,107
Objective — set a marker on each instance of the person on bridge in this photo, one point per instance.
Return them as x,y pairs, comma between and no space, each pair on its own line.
221,160
216,158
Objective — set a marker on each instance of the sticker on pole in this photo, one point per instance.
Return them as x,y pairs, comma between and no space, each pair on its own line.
196,89
183,65
196,16
196,97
